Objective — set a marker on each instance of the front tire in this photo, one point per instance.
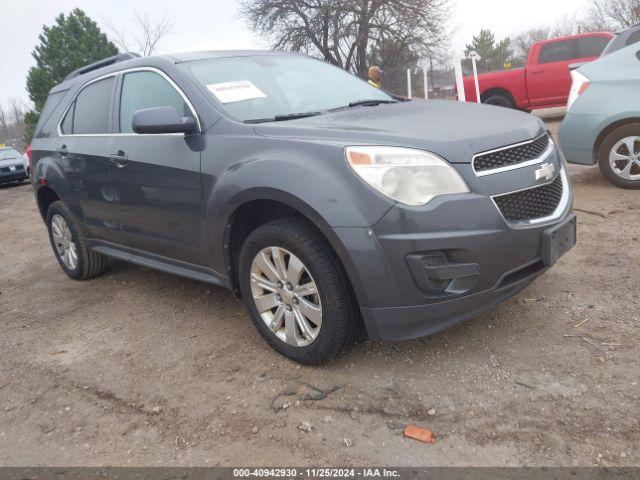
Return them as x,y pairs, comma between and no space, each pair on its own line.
499,100
70,246
619,156
297,293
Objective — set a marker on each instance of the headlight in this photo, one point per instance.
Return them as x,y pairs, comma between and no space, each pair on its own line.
413,177
578,87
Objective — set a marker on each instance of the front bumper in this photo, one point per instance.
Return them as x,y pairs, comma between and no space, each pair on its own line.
577,137
13,176
474,259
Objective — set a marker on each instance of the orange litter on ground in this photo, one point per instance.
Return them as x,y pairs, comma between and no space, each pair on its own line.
420,434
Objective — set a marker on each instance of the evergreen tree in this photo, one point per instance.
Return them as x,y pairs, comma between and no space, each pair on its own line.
494,54
70,43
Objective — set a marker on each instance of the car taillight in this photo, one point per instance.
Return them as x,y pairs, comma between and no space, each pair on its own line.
29,157
578,87
583,88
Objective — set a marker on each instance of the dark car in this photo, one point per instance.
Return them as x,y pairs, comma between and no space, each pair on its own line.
12,168
324,202
622,39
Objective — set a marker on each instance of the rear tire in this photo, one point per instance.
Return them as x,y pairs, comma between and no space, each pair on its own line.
616,144
298,244
499,100
70,246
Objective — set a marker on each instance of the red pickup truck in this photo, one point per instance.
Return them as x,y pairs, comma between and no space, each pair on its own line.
546,80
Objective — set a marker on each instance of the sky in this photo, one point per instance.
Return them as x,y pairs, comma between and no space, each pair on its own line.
215,25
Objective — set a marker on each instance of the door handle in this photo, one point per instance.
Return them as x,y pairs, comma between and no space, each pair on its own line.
537,72
62,151
119,158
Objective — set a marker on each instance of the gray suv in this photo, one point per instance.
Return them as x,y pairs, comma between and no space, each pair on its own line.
327,204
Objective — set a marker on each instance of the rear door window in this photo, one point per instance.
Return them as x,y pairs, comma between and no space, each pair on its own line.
141,90
89,113
591,46
559,51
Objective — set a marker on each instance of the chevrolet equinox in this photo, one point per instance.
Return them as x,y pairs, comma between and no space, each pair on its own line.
327,204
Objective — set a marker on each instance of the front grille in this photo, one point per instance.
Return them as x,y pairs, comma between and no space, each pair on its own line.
537,202
18,168
511,155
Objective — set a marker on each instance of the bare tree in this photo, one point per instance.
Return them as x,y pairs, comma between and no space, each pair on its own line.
12,124
17,109
148,34
613,14
4,122
566,26
522,42
342,32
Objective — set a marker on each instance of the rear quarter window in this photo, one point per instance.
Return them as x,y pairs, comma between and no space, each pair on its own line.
46,123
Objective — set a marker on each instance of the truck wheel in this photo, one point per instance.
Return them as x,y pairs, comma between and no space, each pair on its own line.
70,246
297,293
499,99
619,156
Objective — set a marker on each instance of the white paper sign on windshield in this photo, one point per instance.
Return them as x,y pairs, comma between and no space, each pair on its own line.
230,92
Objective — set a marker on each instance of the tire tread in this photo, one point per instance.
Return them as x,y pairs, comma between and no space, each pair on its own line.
607,144
347,323
92,263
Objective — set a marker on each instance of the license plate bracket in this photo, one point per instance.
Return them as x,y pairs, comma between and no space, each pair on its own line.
558,240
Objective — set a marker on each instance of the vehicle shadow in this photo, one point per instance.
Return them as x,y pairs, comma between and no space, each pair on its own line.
10,185
205,300
588,175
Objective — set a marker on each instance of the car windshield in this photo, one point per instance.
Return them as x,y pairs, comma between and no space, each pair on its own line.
7,153
281,87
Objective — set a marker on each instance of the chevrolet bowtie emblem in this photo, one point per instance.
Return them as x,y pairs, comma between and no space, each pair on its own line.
546,171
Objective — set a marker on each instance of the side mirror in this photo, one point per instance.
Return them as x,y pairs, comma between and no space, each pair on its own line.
162,120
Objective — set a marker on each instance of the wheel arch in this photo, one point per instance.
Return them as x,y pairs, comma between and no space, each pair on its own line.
606,131
50,178
45,197
259,206
498,91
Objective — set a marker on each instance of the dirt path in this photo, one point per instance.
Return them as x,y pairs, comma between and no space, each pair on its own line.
142,368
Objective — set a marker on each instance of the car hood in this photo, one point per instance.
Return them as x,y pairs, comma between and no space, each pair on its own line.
455,131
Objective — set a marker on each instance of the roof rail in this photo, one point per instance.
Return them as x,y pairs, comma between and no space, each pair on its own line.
121,57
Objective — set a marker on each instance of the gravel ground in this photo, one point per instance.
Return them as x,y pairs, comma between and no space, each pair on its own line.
142,368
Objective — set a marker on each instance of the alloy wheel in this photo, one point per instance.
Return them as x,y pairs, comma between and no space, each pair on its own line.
63,240
624,158
286,296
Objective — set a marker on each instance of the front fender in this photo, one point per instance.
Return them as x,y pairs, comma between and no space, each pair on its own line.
334,237
313,175
313,178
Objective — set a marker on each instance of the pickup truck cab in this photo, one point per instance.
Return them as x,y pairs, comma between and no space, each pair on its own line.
545,81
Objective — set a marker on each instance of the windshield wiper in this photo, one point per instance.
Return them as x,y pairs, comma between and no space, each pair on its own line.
284,117
370,102
364,103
